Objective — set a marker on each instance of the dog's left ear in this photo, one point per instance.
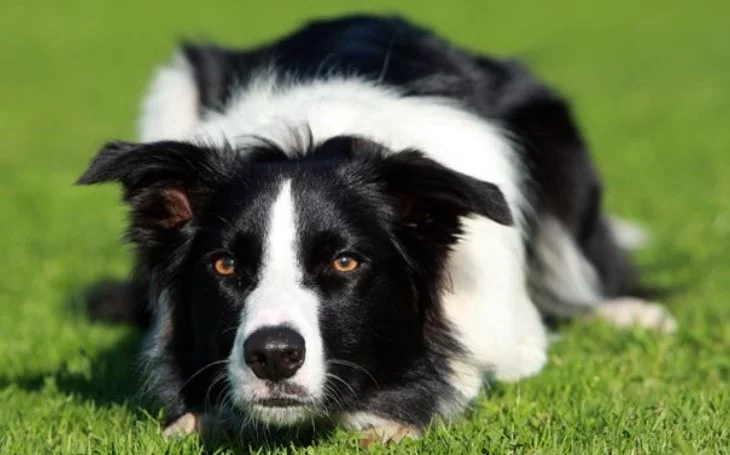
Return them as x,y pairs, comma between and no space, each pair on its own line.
430,196
165,183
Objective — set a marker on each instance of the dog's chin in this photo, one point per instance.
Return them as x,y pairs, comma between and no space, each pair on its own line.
282,405
285,403
280,415
280,412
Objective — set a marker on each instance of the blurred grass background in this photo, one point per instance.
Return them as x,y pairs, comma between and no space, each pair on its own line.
650,84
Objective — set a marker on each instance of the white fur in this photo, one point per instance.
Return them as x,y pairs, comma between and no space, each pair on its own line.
377,428
630,311
628,235
467,378
489,304
436,126
563,278
185,425
280,299
357,421
154,344
172,104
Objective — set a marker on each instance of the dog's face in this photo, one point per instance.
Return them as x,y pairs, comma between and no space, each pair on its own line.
315,280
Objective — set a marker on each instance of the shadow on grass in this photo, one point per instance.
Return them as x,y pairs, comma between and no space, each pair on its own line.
106,379
113,378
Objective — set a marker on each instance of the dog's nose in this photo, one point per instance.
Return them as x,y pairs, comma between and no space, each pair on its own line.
274,353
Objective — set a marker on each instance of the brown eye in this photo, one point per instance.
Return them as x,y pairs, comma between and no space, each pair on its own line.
225,265
345,263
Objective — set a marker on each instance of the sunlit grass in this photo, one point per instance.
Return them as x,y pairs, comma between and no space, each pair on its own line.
650,85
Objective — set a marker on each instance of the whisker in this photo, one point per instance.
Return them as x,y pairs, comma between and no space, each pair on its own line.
342,381
218,377
386,60
322,64
217,362
229,329
337,397
347,363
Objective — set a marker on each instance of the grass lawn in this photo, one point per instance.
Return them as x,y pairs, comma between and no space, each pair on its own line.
651,85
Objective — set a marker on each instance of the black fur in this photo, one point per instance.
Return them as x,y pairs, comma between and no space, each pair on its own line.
399,212
119,301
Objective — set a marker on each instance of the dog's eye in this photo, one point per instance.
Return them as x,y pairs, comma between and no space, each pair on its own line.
345,263
225,265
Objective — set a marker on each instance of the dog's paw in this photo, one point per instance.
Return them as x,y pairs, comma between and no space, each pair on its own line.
388,433
378,430
184,425
629,311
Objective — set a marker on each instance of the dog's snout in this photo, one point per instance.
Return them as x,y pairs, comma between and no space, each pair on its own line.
274,353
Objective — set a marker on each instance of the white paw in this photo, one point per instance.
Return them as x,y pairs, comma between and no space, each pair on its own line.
388,434
629,311
630,236
377,429
185,425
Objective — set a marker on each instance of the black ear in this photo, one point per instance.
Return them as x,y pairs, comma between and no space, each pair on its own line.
428,195
166,183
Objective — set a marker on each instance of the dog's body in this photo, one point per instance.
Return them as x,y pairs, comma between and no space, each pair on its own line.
359,220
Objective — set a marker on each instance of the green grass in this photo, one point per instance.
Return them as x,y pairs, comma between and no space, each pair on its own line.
651,85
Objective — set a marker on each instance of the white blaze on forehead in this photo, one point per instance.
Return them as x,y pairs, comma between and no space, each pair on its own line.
279,299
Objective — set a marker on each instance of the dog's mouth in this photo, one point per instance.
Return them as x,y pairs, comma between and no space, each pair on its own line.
280,402
281,409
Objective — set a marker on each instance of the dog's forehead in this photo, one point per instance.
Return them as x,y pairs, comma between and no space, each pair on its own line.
244,207
318,191
338,208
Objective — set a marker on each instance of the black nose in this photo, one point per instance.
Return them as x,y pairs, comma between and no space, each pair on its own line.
274,353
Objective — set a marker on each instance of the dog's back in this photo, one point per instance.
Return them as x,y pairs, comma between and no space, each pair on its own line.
575,259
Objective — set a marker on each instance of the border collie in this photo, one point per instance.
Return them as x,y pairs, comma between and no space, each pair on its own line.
359,221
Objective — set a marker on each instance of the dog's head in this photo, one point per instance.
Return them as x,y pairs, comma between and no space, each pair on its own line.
314,278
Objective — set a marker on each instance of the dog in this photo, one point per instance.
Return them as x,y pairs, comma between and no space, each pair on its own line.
359,221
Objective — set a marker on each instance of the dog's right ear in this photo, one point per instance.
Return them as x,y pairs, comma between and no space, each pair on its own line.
166,183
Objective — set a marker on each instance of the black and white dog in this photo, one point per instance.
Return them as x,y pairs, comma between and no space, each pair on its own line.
359,221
